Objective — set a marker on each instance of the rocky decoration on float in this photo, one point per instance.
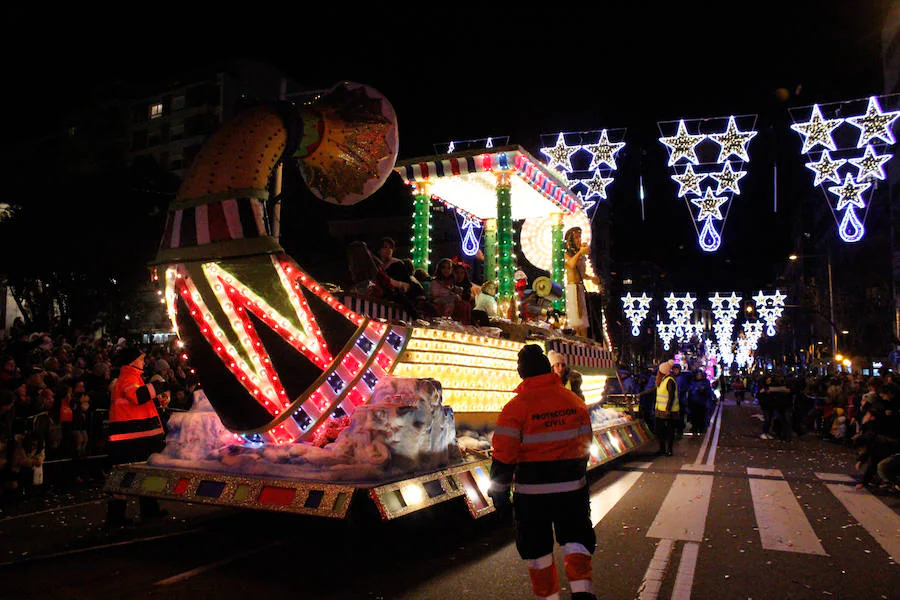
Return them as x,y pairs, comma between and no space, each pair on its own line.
847,146
708,149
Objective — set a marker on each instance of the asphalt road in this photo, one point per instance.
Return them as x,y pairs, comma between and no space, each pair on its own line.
730,515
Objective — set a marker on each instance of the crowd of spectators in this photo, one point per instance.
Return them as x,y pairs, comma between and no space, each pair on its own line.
54,401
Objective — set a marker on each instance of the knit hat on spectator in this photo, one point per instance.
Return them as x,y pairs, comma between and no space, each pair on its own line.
532,361
126,356
555,358
666,367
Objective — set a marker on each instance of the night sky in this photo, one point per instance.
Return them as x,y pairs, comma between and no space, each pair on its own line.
468,71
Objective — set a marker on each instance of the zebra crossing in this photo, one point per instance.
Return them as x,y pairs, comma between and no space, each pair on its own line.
782,524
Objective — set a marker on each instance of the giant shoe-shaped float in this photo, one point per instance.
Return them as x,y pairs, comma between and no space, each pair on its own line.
278,355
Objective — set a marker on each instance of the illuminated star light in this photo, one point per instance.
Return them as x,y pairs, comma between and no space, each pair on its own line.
826,168
644,300
727,179
671,301
560,155
717,302
733,141
874,124
735,300
683,145
817,131
850,193
690,181
709,205
596,185
603,152
870,165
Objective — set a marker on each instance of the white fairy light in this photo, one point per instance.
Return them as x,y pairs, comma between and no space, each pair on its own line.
682,145
689,181
560,155
727,179
709,205
733,142
817,131
826,168
870,165
603,152
874,124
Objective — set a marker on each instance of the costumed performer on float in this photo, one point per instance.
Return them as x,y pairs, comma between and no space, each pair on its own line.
576,273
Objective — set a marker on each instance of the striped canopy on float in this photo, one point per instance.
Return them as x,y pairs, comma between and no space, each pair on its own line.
466,180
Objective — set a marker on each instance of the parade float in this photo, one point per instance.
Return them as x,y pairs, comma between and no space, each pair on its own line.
319,402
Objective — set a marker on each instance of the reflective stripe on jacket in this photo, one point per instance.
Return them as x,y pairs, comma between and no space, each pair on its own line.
542,439
665,403
129,418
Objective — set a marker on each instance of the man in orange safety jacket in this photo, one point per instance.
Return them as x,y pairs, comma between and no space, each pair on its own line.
135,429
541,449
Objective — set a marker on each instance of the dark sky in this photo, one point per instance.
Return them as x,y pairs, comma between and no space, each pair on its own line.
470,71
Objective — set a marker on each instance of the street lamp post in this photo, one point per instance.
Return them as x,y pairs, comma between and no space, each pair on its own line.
834,331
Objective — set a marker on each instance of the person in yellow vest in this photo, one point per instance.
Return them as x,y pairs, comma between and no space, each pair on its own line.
668,411
135,428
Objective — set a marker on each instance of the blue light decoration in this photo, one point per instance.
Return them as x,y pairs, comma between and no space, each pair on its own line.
589,165
848,154
468,225
769,307
711,148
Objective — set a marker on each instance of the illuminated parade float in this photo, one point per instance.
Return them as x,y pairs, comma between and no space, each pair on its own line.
324,405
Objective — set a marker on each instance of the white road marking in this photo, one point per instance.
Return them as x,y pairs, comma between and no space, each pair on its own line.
214,565
684,580
754,472
875,516
653,577
682,515
612,492
781,521
836,477
716,421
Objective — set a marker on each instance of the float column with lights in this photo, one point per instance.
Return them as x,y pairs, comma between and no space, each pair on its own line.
490,249
505,257
558,262
421,238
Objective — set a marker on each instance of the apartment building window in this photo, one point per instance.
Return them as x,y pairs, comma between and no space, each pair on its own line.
156,110
176,132
153,138
176,160
178,102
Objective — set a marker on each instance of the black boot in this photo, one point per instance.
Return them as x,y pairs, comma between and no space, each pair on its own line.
115,513
150,509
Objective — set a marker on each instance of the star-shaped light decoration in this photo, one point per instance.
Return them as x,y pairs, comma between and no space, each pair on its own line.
672,301
870,165
778,298
733,141
717,302
874,124
709,205
817,131
826,168
683,145
735,300
760,299
603,152
850,192
689,181
644,300
596,185
727,179
560,155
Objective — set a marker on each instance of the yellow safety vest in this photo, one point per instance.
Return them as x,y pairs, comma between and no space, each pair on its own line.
662,395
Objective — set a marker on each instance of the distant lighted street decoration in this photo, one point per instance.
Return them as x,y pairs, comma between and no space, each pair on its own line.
680,309
470,228
848,154
666,332
590,165
725,310
636,310
714,155
769,307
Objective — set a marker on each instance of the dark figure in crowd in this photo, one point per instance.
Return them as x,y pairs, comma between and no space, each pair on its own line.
699,399
542,443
